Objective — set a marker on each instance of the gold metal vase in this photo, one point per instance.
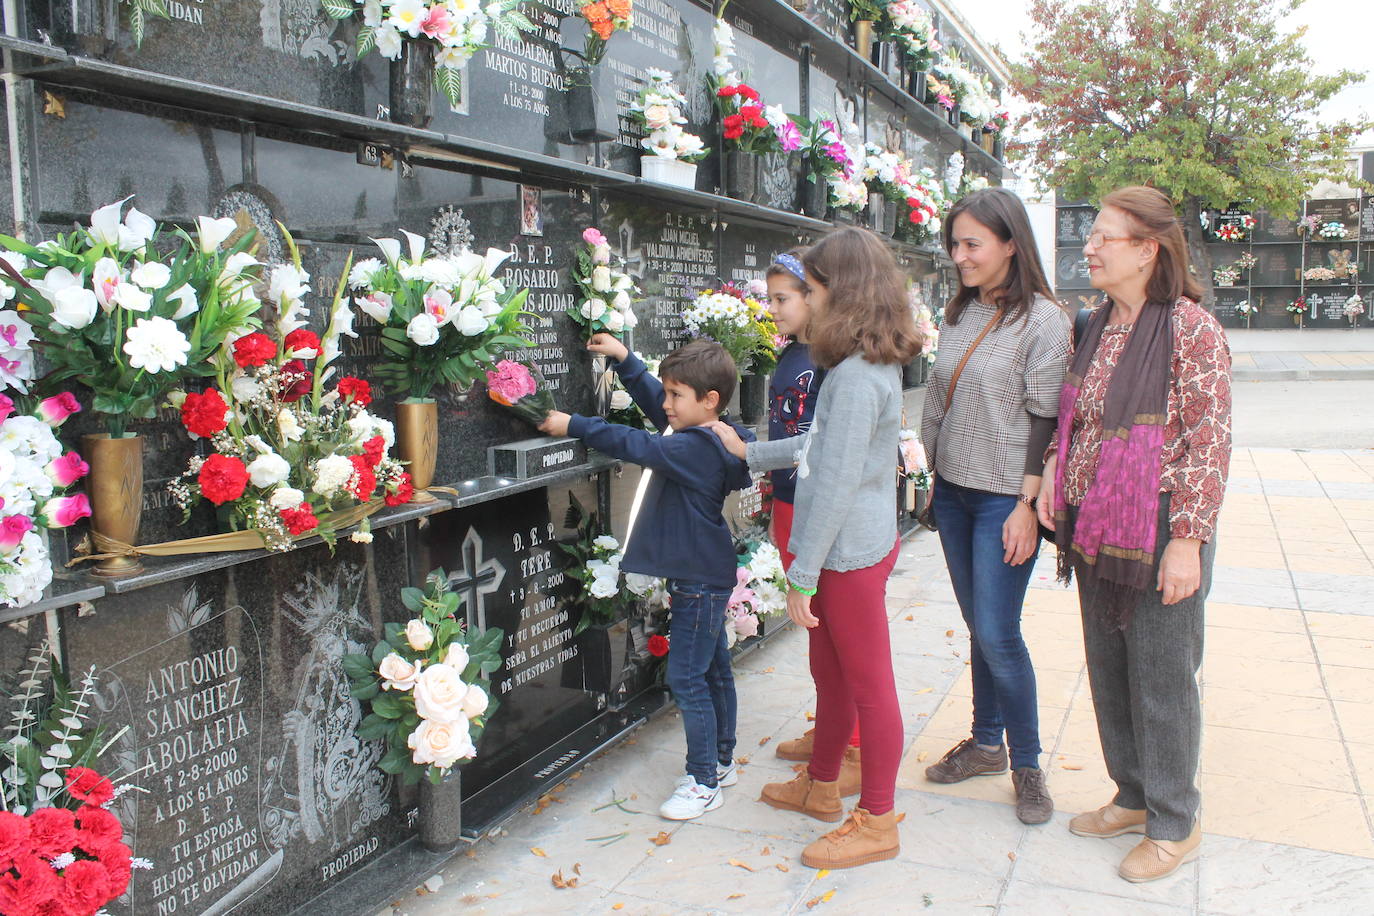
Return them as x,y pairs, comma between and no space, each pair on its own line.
863,37
115,487
417,443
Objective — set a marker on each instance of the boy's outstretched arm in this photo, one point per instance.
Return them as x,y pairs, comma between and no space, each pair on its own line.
674,456
644,389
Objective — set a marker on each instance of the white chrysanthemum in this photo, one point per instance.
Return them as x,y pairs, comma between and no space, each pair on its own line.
156,345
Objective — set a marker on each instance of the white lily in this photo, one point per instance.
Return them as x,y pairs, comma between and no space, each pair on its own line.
417,246
391,250
136,230
105,223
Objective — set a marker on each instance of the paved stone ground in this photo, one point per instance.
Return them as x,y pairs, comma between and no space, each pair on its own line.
1287,767
1301,355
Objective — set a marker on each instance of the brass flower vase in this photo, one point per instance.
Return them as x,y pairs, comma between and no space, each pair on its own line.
417,443
115,487
863,37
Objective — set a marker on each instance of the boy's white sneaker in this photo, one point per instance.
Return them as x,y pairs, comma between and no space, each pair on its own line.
727,774
691,799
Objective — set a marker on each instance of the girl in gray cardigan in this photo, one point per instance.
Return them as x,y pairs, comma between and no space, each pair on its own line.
844,537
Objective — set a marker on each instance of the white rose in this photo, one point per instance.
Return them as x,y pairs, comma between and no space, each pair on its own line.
419,635
606,542
615,321
286,498
630,318
621,301
189,304
593,309
439,694
604,586
657,117
268,470
399,674
456,657
601,278
423,329
621,400
470,321
474,701
151,275
441,743
74,307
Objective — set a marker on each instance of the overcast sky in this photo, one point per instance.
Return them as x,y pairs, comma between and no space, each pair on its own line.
1338,32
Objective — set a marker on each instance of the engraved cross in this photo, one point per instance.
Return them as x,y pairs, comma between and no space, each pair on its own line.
478,579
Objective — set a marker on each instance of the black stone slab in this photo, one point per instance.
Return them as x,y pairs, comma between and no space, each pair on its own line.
747,251
1367,217
1072,225
1225,306
1345,210
1279,265
231,683
1271,228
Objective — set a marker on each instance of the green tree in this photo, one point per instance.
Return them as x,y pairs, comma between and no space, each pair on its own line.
1210,101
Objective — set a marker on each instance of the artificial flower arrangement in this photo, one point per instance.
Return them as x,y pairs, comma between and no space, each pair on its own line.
969,90
926,324
914,32
924,200
1246,308
914,465
607,290
1353,308
35,476
829,161
445,319
604,18
1246,260
286,455
731,318
874,11
110,311
427,685
1319,274
64,850
1228,275
1236,232
450,30
521,389
1308,225
943,91
594,560
659,111
746,121
1298,306
1333,231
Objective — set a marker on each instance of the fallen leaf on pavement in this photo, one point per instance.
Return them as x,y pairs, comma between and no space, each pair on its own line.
742,760
764,740
744,865
822,873
1012,856
577,868
663,839
766,851
618,906
768,670
910,617
561,882
949,632
922,756
1072,766
823,898
539,852
925,690
783,867
734,897
901,817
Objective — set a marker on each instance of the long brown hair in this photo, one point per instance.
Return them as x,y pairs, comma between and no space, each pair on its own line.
866,310
1001,213
1151,216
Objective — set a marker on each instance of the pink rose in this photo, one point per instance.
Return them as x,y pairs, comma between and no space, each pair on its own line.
510,381
62,511
67,470
12,531
6,407
746,625
436,21
593,236
55,410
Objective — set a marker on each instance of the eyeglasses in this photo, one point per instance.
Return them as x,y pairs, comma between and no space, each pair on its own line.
1098,239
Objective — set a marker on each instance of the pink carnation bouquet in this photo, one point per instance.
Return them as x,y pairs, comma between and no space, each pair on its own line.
521,390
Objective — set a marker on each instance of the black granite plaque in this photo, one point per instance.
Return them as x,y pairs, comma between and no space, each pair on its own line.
1345,211
831,15
1070,267
747,251
1225,306
1328,304
1367,218
241,726
1278,265
1271,228
1072,225
1337,257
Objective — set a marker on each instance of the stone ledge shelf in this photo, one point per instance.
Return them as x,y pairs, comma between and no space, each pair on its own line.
66,590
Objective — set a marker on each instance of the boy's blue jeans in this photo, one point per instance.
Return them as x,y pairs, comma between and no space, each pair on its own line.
700,676
991,594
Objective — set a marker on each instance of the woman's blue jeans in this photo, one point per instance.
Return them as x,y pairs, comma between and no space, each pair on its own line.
700,676
991,594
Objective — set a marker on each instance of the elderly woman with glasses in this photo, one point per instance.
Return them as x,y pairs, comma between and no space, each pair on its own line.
1132,487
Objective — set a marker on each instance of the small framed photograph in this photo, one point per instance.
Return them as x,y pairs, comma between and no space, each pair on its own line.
531,210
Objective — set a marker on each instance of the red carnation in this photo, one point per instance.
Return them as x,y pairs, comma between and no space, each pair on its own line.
52,831
734,127
295,381
14,835
373,450
87,785
750,111
726,92
300,519
658,645
119,866
222,479
36,885
749,92
85,886
254,350
404,490
355,390
364,480
97,829
301,339
54,906
204,414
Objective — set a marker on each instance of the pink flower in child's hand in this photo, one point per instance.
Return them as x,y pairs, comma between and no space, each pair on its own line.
509,382
746,624
62,511
67,470
55,410
592,236
12,531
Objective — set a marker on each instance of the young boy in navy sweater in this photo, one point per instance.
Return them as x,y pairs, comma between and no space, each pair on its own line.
682,536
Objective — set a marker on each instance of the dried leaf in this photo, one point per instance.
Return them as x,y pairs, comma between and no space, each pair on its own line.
910,617
618,906
764,740
925,690
577,868
1071,766
922,755
742,760
663,839
539,852
823,898
901,817
734,897
54,105
744,865
766,851
768,670
561,882
782,866
1012,856
949,632
822,873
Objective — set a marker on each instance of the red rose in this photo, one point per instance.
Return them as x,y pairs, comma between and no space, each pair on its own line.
364,480
658,645
87,785
254,350
355,390
402,492
222,479
97,829
734,127
301,339
119,867
85,886
373,450
295,381
300,519
204,414
52,831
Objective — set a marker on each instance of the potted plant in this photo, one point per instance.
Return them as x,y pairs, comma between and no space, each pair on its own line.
109,310
672,153
445,320
427,690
